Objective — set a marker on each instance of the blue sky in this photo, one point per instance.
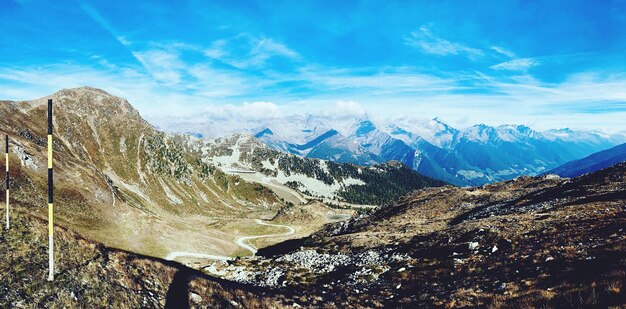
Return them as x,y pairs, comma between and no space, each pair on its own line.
547,64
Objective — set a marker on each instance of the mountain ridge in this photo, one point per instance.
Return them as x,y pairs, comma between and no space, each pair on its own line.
375,184
528,242
525,242
481,153
124,183
592,163
474,155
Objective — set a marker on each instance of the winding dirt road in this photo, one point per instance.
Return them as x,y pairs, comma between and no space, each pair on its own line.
242,241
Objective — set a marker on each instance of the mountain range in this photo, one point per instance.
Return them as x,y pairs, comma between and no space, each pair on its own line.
149,219
466,157
284,172
124,183
592,163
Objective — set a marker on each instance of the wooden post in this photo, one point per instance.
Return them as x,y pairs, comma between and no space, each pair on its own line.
6,184
50,198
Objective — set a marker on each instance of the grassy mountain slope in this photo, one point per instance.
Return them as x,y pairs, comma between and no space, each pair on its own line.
120,181
91,275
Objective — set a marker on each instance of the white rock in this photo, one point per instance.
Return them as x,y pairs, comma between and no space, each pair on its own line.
195,298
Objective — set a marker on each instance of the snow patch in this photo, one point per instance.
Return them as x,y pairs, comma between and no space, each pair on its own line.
471,174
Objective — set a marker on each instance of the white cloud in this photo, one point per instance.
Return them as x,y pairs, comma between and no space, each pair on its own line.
217,49
431,44
271,47
210,82
93,14
170,86
123,40
503,51
347,108
148,94
253,111
390,82
521,64
246,51
162,65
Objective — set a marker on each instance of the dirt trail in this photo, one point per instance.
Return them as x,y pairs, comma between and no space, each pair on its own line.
241,241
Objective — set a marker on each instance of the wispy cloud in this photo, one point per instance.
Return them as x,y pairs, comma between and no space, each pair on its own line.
346,108
427,42
249,111
586,101
162,65
246,51
520,64
390,81
148,94
95,15
172,59
503,51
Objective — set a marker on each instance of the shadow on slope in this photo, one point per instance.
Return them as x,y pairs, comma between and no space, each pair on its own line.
94,276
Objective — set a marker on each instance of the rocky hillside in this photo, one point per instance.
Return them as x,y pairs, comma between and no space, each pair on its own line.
528,242
91,275
120,181
248,157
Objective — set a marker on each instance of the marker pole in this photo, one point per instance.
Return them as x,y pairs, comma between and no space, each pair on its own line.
6,184
50,198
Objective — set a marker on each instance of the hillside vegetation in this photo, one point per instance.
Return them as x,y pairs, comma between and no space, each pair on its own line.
90,275
120,181
530,242
343,182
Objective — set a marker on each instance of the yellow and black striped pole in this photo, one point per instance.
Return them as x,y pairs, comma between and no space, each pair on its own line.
50,198
6,181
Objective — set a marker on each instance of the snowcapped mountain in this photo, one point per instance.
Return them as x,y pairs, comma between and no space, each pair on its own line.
434,131
316,140
471,156
295,178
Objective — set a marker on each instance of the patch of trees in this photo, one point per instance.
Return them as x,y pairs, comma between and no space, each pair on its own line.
384,184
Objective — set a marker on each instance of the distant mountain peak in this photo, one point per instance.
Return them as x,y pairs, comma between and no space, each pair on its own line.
85,91
437,121
481,132
364,127
440,121
263,132
395,130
